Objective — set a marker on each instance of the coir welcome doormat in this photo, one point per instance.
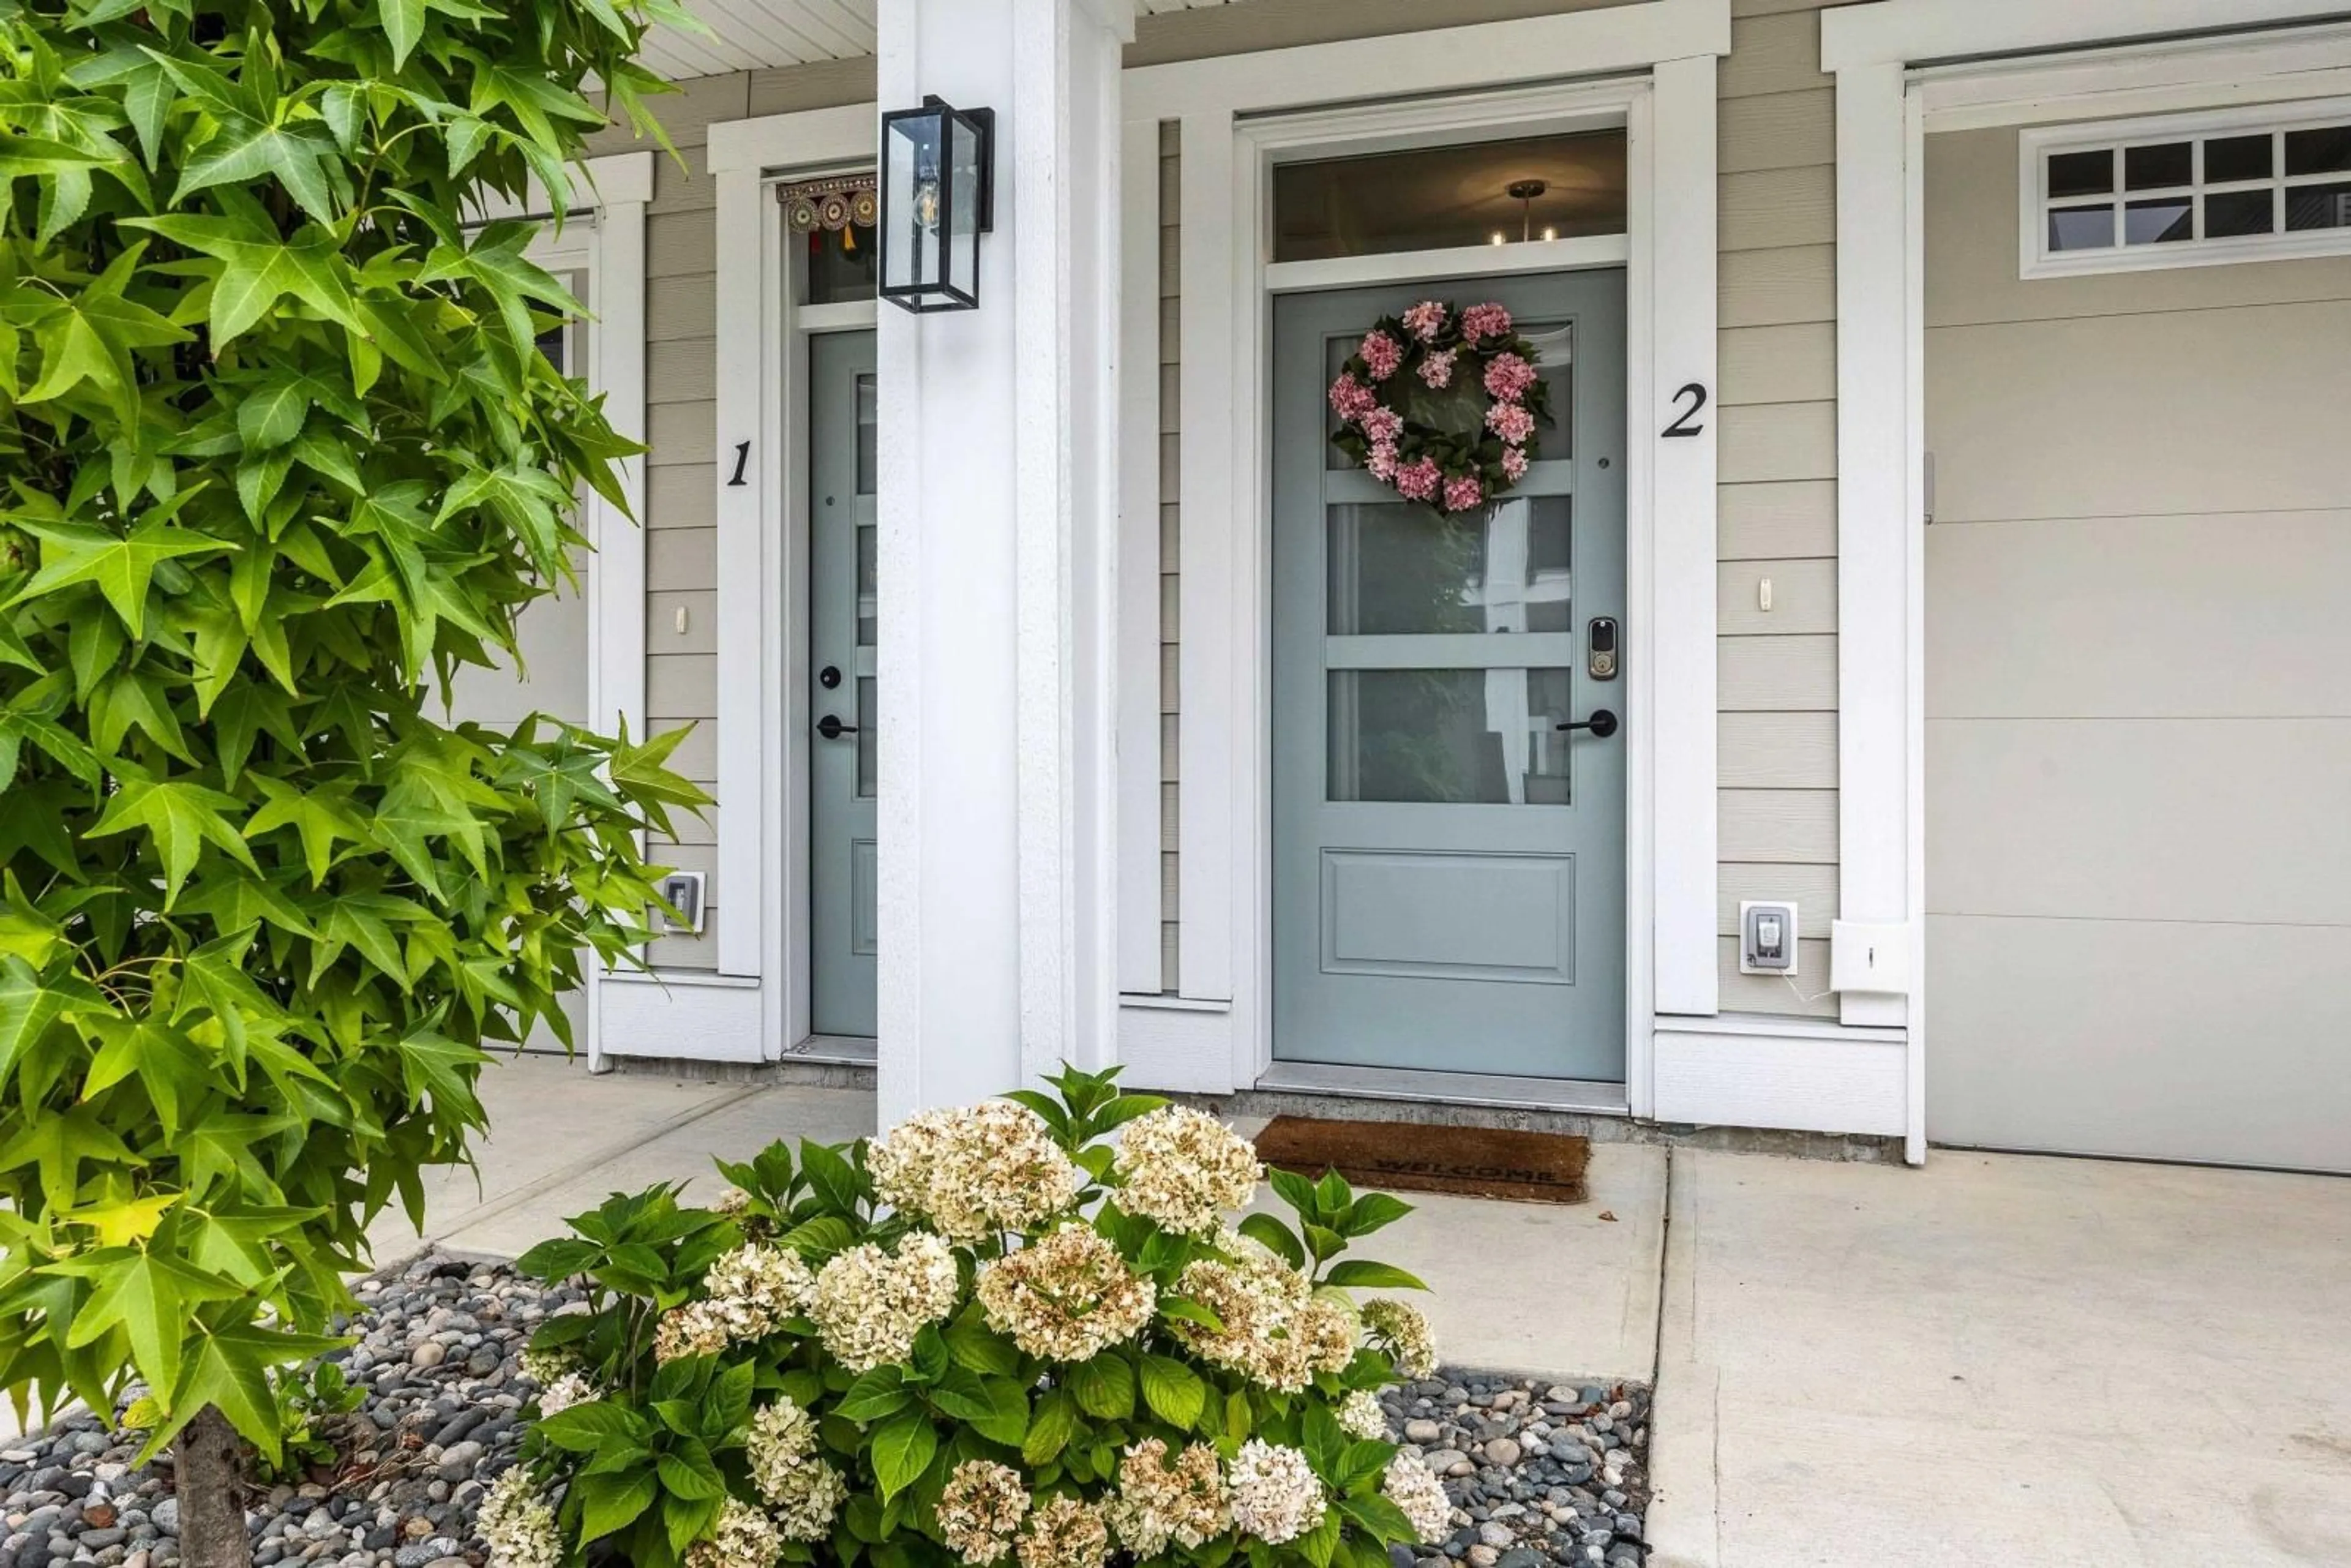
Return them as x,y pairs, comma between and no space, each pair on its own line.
1476,1161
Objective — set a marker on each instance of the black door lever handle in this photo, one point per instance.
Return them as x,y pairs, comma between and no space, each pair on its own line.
833,729
1602,723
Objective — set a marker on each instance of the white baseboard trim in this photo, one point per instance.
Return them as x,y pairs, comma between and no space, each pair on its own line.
690,1023
1827,1079
1184,1049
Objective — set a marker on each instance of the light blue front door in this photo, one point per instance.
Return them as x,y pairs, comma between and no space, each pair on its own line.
841,705
1448,864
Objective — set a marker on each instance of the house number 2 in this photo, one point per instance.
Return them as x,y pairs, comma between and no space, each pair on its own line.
1686,424
742,457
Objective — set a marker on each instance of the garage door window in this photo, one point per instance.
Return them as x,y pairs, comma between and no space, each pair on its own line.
2186,190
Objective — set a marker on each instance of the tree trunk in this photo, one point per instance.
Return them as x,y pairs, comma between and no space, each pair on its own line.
208,1467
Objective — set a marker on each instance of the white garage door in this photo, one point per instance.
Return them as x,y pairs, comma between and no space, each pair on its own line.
2138,667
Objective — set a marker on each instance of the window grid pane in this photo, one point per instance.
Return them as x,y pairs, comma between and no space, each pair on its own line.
2228,189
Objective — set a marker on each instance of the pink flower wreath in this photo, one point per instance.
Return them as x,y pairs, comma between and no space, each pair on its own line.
1440,404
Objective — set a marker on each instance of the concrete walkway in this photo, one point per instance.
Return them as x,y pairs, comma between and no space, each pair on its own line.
1994,1359
2001,1359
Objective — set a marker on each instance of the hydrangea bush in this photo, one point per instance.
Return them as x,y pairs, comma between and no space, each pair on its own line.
992,1335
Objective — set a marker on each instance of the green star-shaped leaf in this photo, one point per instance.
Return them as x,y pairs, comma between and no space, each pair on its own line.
60,1142
121,565
298,155
147,1293
88,336
258,268
321,815
179,817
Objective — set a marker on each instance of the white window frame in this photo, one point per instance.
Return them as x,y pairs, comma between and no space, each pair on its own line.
602,237
2037,144
1649,66
2083,60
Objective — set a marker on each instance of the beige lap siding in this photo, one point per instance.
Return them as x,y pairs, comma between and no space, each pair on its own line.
681,417
1776,670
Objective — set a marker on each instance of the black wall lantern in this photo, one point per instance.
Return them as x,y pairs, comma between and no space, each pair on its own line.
938,199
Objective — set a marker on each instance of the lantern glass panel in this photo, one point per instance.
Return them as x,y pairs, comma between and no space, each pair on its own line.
910,179
963,222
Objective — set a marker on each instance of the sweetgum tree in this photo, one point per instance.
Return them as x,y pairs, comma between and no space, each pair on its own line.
276,456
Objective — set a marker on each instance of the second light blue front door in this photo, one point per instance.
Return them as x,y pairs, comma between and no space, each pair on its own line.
1448,864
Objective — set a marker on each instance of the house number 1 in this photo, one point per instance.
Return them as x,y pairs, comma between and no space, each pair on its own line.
742,457
1685,424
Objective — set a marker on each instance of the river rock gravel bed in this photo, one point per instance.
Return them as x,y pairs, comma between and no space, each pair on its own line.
1538,1473
440,1346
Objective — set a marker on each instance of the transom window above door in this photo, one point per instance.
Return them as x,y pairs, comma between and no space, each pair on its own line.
1442,198
832,220
2188,190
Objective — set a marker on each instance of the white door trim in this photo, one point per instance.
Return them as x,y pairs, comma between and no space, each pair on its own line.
1668,112
756,1004
603,236
1890,60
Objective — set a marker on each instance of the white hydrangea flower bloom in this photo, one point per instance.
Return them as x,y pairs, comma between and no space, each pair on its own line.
1183,1169
980,1509
518,1523
571,1389
1413,1487
694,1329
745,1538
803,1507
1260,1301
1400,1328
976,1170
1157,1503
1066,1296
1064,1532
753,1290
869,1304
1360,1415
781,1447
901,1160
1327,1325
1277,1496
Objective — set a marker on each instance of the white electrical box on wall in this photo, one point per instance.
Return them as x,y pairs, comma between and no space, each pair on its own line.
1869,958
1767,937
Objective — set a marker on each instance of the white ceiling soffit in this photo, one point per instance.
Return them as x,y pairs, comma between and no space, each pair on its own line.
747,35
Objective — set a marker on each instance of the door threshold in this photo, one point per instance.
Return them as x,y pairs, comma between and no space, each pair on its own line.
838,1050
1591,1096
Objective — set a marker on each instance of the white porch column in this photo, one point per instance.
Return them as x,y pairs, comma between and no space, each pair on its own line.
998,523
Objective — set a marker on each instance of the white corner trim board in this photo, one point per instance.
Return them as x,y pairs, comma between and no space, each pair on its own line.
1879,53
1649,67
